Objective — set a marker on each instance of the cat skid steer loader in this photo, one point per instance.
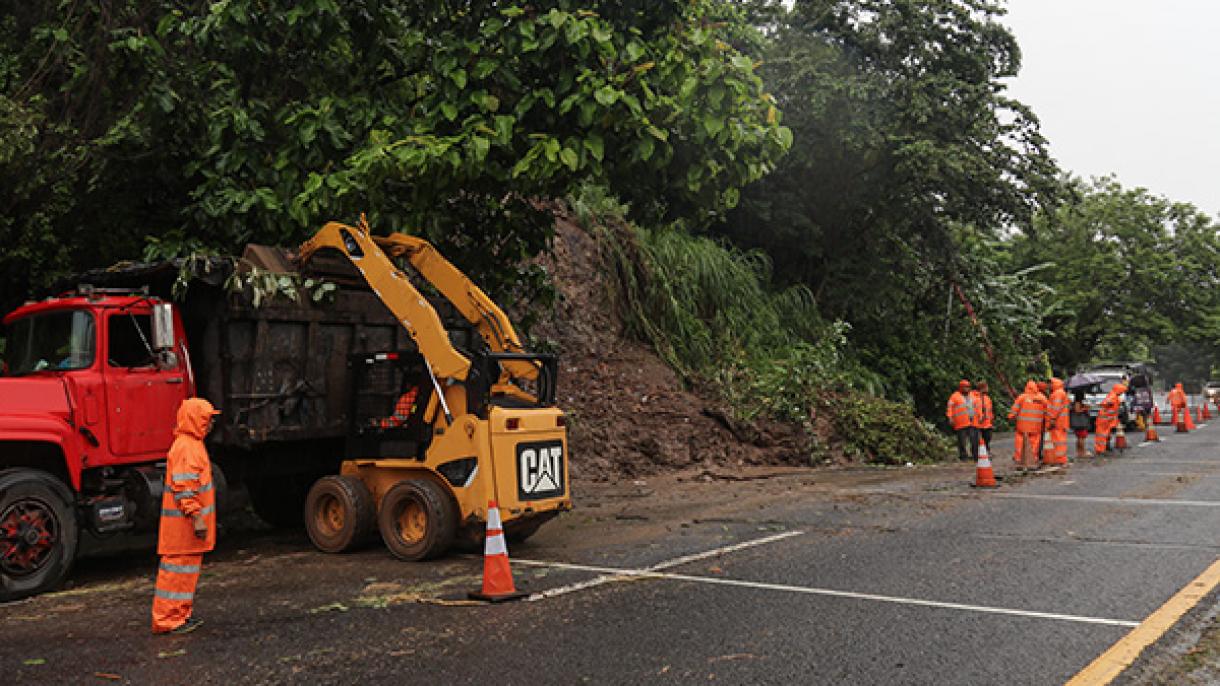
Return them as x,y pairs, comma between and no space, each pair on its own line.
437,432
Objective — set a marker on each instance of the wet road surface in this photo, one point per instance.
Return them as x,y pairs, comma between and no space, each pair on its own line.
860,576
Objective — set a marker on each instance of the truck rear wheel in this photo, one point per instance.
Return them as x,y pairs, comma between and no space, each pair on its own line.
417,519
339,513
38,533
279,501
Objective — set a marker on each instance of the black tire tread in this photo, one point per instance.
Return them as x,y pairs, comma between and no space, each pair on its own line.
51,577
358,503
442,512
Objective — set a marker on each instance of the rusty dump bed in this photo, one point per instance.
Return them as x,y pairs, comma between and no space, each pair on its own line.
278,372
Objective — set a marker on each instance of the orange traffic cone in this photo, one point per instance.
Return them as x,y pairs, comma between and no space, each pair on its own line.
1150,434
1120,438
1190,422
1156,415
497,575
984,476
1207,414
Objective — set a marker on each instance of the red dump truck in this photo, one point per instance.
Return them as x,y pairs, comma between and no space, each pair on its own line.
92,378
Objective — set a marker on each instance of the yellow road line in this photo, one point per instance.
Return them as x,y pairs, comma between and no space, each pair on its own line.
1119,657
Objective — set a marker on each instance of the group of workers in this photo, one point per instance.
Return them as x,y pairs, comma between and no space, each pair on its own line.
1043,409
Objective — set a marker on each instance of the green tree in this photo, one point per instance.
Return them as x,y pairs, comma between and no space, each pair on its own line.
248,120
902,134
1133,271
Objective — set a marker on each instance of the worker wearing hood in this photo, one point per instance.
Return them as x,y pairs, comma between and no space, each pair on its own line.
1107,418
1177,401
1057,417
188,519
1029,413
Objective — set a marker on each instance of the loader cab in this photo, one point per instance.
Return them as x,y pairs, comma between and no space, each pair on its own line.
390,394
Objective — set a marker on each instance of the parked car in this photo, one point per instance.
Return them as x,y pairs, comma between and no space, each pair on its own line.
1095,394
1211,389
1138,378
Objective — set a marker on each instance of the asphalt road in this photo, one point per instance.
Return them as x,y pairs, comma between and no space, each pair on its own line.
862,577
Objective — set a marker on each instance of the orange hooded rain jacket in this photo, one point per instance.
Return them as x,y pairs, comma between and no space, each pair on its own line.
188,484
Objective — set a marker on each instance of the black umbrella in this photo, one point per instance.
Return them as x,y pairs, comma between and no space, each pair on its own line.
1083,381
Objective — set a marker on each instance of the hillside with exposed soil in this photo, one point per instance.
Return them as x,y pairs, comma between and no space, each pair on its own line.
630,413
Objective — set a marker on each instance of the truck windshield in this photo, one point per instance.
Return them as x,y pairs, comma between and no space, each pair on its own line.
53,341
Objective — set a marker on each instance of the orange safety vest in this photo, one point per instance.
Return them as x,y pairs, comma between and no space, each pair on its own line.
1030,412
188,485
1109,409
985,417
961,410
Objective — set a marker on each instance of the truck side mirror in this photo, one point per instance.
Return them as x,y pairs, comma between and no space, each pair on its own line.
163,334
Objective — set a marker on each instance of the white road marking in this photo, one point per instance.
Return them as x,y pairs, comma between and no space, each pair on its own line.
616,574
1109,499
808,590
1190,474
1096,542
1157,462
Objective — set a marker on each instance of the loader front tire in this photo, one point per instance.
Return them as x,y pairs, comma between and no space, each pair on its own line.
418,519
339,514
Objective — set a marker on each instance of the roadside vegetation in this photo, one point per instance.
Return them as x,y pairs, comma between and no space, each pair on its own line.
813,204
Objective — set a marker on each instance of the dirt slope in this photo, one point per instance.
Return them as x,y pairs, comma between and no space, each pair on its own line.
629,412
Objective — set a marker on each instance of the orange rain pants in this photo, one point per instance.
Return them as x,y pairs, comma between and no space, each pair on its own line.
1059,446
1102,438
1027,444
175,593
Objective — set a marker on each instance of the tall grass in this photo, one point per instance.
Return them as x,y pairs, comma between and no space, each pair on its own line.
711,312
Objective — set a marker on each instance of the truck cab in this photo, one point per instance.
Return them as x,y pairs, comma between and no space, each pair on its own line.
87,403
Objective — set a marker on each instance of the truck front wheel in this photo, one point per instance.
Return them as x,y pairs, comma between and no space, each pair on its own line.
339,513
418,519
38,533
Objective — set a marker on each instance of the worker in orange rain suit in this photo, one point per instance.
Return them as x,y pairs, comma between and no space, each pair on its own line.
1057,417
985,414
1107,418
188,519
961,411
1029,411
1177,401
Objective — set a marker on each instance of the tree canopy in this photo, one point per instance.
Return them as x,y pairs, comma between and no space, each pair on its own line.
873,187
210,124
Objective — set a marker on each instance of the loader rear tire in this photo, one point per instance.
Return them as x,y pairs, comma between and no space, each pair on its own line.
339,514
418,519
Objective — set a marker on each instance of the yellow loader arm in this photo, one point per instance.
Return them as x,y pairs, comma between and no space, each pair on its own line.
478,309
393,287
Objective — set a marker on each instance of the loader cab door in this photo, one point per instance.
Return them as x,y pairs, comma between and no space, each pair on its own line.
142,398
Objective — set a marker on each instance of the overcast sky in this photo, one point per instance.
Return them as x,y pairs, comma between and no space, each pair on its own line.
1129,87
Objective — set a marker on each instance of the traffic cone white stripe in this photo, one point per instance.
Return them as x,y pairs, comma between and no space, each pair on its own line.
493,517
494,545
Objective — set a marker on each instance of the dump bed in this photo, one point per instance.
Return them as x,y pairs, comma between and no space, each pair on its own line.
279,371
